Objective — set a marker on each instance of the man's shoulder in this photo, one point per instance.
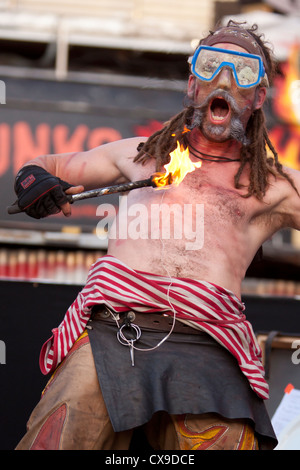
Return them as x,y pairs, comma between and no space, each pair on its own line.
128,146
123,153
122,147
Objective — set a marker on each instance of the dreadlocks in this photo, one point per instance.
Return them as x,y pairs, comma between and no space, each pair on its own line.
163,142
160,144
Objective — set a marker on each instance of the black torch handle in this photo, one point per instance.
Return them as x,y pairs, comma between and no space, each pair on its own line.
118,188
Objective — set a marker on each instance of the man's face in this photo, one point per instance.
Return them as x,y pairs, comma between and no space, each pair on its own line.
222,108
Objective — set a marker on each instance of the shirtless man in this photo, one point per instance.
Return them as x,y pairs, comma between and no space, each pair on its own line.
242,209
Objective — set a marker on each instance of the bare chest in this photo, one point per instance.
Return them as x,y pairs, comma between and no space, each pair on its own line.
221,201
203,197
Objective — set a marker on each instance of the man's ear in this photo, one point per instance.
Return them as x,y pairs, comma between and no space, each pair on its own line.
191,86
261,93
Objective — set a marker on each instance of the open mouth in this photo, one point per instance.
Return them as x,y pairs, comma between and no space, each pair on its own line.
219,110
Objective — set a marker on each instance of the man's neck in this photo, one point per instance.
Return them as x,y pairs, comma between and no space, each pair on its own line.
229,149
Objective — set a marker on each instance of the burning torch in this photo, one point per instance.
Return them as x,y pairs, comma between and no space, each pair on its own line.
176,169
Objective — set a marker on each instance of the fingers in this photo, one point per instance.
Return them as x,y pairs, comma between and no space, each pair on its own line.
75,189
66,208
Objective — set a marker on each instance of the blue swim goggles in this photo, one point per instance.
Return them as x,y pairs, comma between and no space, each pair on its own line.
248,69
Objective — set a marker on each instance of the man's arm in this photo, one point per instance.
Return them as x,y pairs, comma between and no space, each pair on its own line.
108,164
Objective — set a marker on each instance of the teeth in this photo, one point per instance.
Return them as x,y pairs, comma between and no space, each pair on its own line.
217,118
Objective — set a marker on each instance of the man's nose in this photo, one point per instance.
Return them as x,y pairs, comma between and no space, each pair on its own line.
224,78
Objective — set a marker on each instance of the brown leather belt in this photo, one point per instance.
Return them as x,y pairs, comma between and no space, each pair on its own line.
146,321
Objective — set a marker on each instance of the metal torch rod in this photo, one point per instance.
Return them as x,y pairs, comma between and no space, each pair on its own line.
117,188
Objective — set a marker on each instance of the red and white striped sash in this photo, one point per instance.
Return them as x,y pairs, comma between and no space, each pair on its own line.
203,305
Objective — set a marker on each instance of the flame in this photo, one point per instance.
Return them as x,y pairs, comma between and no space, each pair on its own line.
178,167
287,88
286,104
286,141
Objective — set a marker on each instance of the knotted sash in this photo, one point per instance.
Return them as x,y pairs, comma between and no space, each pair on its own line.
203,305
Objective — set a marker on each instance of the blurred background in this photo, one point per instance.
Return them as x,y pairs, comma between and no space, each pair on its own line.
75,75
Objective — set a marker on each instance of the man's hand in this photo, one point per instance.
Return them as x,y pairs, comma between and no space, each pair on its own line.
41,194
66,208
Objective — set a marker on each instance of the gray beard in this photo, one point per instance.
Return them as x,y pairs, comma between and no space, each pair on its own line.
236,130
